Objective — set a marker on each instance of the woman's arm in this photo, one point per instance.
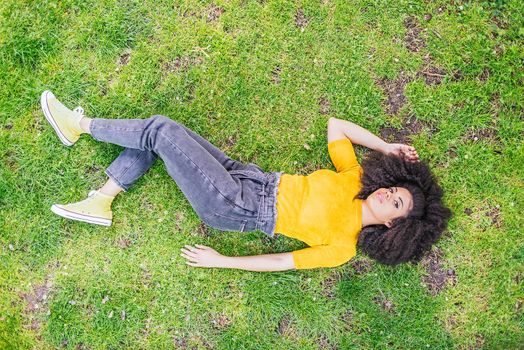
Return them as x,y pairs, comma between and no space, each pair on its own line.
340,129
202,256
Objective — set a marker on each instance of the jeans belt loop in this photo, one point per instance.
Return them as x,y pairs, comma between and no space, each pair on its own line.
261,212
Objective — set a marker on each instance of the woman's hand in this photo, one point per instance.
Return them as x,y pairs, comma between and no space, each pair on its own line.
408,152
202,256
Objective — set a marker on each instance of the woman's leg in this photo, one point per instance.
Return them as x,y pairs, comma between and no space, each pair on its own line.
202,178
111,188
123,172
221,157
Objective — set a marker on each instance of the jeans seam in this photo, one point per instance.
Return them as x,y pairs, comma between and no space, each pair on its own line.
115,179
130,165
94,127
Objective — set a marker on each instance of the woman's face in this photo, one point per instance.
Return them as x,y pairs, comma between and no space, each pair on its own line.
388,204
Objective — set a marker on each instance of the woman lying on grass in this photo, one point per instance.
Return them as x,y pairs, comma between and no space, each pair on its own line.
390,205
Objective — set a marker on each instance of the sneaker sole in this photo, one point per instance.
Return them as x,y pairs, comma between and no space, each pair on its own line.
80,217
51,120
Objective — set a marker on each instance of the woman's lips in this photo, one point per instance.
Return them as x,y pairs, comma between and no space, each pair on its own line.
380,198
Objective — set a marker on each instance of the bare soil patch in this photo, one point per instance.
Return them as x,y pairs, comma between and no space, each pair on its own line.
146,275
386,304
202,230
411,126
231,141
432,75
479,341
10,160
93,169
301,21
221,322
123,59
495,103
214,12
394,90
436,277
488,134
361,266
124,243
495,216
490,211
324,105
285,328
37,302
180,342
450,323
457,75
181,64
329,284
451,152
412,40
198,341
499,50
484,75
518,305
500,22
347,318
324,343
275,75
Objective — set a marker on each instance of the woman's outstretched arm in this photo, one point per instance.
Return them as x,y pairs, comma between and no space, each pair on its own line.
202,256
340,129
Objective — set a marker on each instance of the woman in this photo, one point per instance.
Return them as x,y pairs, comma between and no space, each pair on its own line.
391,205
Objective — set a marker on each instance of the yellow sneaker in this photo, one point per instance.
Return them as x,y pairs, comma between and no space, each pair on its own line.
95,209
66,122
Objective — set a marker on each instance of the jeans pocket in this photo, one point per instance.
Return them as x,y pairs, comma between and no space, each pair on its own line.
252,189
225,223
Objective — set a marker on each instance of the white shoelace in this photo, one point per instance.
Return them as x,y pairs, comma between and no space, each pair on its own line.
79,110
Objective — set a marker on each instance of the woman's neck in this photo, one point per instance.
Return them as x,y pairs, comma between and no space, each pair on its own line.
367,216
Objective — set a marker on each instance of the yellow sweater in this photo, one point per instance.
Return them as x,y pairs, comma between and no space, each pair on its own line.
320,209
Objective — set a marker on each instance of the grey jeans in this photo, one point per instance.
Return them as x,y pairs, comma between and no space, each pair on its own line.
225,194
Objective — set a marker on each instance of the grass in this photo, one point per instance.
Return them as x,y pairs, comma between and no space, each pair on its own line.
259,79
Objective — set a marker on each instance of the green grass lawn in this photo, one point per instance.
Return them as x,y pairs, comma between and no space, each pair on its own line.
259,79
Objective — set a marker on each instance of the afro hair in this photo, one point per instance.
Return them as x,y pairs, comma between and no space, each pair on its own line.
409,237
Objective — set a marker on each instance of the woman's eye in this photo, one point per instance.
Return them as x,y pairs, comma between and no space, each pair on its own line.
391,189
396,204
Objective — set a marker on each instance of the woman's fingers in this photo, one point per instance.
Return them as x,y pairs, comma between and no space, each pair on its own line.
189,258
188,252
191,248
200,246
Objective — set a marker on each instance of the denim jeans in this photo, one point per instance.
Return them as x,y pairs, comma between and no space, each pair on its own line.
225,194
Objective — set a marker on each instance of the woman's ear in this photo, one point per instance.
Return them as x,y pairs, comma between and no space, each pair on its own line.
388,224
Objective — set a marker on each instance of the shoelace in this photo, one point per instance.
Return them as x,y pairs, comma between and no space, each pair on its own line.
79,110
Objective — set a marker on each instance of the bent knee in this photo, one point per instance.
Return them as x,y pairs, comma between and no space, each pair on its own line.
161,119
161,122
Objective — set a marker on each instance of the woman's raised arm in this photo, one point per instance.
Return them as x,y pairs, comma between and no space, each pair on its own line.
340,129
202,256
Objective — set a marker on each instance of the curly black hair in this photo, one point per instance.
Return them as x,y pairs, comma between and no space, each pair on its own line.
409,237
